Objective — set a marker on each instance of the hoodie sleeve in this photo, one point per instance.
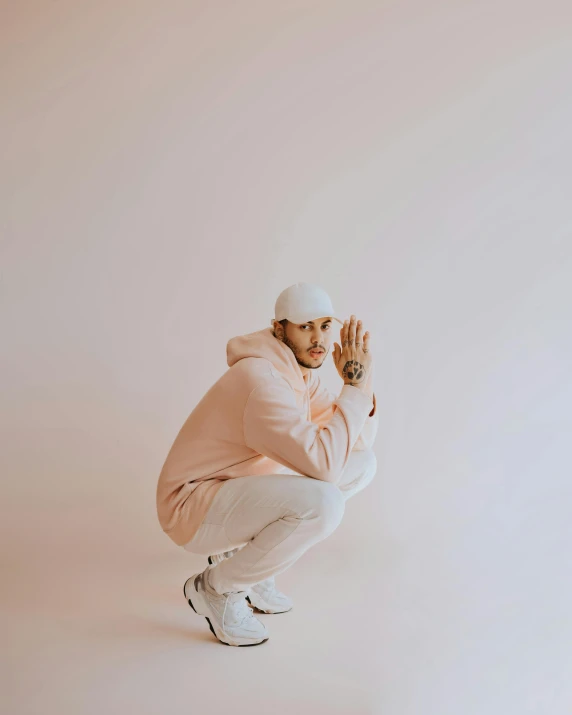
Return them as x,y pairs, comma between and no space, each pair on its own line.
322,407
276,427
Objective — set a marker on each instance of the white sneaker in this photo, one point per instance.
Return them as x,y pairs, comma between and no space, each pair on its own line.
228,615
267,598
264,595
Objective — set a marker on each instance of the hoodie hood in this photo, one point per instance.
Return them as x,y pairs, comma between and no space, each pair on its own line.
263,344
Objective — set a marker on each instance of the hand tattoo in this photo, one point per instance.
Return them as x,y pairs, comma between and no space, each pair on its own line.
354,371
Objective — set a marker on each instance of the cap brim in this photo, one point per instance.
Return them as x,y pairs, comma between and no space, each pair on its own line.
301,319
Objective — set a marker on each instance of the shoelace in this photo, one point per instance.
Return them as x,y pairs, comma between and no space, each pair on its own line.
238,599
241,609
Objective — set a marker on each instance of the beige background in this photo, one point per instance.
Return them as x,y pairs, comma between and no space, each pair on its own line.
167,169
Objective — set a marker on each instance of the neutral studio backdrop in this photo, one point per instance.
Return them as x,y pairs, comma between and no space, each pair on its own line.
167,169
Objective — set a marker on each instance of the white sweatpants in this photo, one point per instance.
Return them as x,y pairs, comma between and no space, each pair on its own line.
278,516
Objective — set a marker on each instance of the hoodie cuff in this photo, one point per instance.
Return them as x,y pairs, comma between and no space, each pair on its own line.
356,402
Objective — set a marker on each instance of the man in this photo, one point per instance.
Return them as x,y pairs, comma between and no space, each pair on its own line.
261,469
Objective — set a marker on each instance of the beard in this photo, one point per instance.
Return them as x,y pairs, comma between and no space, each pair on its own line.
300,356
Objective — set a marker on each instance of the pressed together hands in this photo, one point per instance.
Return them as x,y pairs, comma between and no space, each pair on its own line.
353,360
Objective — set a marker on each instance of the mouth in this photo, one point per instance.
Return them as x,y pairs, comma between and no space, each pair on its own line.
316,353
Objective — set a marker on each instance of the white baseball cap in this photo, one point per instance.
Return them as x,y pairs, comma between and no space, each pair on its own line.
302,302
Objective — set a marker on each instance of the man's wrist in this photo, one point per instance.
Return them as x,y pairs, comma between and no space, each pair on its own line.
362,387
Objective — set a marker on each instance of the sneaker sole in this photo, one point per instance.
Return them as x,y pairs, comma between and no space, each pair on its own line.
200,602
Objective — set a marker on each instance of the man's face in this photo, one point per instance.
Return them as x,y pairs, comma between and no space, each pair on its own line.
303,338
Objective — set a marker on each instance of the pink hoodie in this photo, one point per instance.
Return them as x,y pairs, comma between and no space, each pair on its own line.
262,415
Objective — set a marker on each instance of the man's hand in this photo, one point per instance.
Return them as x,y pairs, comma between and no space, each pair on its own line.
353,361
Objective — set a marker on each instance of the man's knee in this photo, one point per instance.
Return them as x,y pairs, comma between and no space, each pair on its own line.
359,472
327,504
